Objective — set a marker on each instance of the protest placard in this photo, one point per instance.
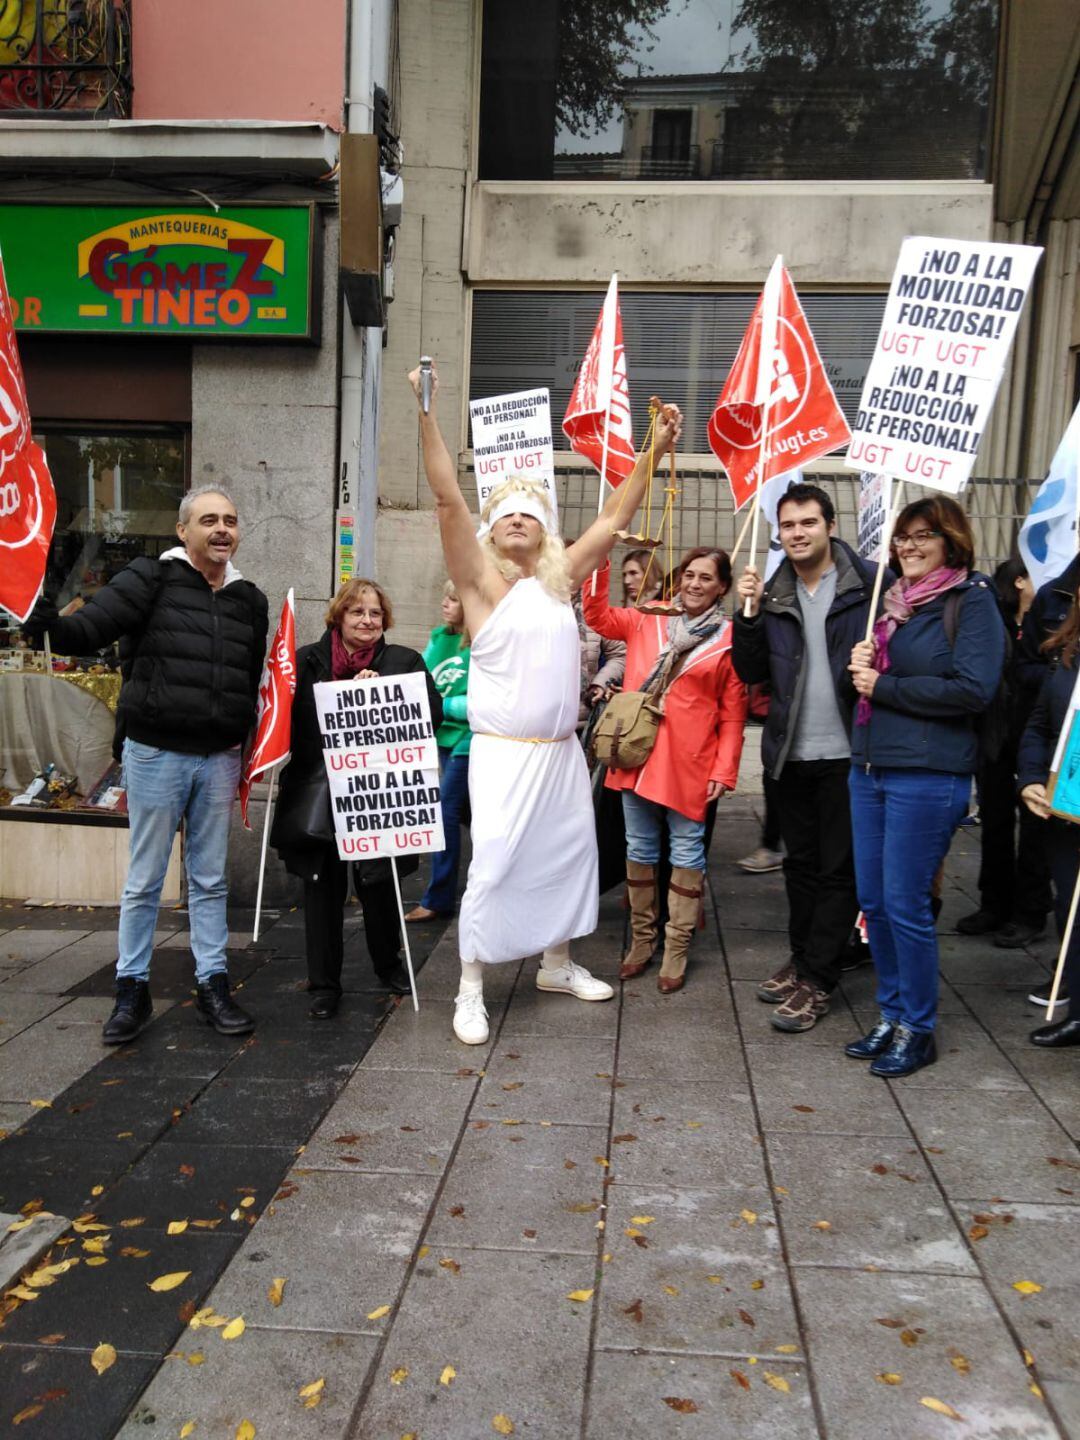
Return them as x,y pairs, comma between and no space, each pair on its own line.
511,435
873,503
382,764
952,311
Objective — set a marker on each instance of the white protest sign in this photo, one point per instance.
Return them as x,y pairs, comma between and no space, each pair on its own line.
873,502
952,311
383,766
512,436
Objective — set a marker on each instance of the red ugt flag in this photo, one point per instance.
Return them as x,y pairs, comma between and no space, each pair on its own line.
601,395
273,723
27,497
777,366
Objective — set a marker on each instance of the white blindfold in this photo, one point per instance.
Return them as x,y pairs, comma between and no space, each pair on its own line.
519,502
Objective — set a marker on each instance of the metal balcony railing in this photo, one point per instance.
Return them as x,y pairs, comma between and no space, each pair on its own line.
661,164
65,59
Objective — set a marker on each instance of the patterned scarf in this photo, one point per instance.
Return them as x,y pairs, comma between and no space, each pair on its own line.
901,601
345,664
683,635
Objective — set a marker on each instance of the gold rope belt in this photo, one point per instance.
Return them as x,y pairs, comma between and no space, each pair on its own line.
524,739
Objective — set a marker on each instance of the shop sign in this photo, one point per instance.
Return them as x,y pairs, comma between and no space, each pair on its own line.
244,273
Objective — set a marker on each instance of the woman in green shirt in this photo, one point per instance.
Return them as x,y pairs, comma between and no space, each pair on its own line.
447,659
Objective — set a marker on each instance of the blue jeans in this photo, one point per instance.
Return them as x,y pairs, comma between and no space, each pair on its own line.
441,893
902,824
645,819
163,788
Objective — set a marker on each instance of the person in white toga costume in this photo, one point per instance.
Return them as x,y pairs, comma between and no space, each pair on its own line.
532,884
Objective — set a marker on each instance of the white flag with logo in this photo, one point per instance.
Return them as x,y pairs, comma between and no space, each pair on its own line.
1048,538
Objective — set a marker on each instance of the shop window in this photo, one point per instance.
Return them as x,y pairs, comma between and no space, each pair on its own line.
678,345
768,90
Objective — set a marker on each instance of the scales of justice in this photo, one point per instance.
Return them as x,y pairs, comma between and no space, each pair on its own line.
665,603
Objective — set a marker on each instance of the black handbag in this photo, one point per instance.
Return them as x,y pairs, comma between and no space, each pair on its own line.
302,817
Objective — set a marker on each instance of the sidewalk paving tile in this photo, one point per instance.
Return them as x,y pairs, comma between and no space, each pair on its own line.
342,1243
704,1002
756,955
950,1345
426,1041
61,1174
647,1397
756,1027
816,1091
76,1403
685,1134
270,1109
19,1011
564,1080
855,1202
115,1108
197,1182
522,1187
694,1270
256,1378
1066,1402
43,1061
392,1120
990,1143
1037,1244
558,1016
56,974
518,1345
12,1117
670,1051
29,945
968,1059
1054,1075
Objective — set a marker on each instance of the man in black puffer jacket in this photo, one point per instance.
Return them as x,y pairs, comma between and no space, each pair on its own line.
192,634
798,637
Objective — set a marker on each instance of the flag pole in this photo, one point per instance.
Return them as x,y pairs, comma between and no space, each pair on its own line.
742,533
262,856
755,513
404,932
896,491
603,473
1065,942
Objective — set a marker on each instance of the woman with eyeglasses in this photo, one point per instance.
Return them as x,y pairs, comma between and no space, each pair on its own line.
932,668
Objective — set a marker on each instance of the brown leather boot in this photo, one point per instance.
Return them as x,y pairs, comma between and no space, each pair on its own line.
684,901
641,892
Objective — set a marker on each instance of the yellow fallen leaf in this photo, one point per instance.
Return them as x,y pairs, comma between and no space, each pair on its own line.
642,1219
245,1430
694,1124
632,1231
822,1224
170,1282
27,1414
502,1425
939,1407
98,1260
960,1363
196,1358
581,1295
1026,1287
889,1377
606,1256
87,1227
130,1225
276,1293
670,1290
1029,1359
41,1104
400,1375
776,1381
188,1428
1035,1390
379,1313
757,1284
423,1252
97,1190
448,1375
247,1202
749,1216
715,1279
103,1357
787,1349
20,1292
234,1329
315,1388
176,1227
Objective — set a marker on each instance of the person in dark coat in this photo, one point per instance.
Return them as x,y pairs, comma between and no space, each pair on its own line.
353,647
192,633
914,750
798,637
1036,752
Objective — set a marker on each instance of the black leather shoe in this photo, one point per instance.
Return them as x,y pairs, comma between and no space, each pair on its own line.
979,922
131,1014
324,1005
396,980
874,1042
1019,933
1054,1037
908,1052
219,1009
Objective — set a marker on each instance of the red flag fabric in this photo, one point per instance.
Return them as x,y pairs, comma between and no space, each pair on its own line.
804,418
27,497
273,723
601,396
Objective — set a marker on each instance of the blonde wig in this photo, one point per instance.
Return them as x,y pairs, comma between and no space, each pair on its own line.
553,566
450,592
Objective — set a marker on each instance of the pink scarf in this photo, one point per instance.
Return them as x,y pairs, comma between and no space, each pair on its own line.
346,664
901,601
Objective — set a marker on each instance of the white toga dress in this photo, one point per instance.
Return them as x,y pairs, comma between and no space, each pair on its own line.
533,878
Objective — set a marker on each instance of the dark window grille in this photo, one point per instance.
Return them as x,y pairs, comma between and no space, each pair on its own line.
67,59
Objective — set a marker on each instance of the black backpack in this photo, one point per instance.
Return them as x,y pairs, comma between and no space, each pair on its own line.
994,724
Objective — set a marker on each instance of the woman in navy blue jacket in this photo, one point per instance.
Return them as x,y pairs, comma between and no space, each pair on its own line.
914,749
1037,745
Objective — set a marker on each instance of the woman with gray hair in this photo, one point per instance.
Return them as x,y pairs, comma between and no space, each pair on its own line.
533,879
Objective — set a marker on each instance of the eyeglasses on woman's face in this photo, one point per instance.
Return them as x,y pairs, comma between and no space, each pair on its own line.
916,538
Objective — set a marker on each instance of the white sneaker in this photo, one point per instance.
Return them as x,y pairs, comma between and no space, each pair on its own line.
470,1018
571,979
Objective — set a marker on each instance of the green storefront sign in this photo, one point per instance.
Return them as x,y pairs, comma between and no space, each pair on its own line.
247,272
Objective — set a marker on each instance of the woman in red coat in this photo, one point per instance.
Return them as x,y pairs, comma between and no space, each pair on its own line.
696,755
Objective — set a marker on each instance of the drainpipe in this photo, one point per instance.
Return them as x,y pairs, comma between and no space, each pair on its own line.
361,356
